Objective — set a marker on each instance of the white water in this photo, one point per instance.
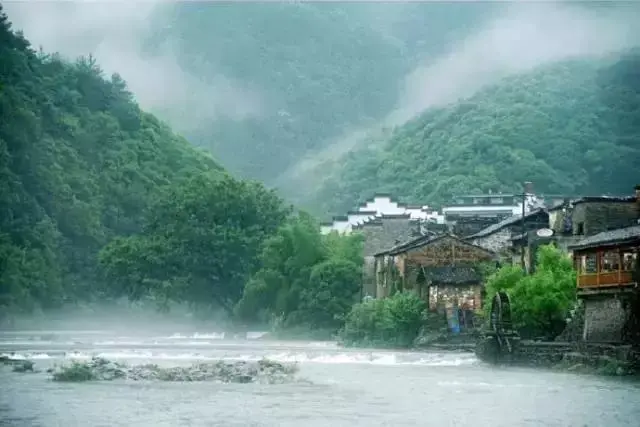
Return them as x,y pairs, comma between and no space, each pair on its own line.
339,387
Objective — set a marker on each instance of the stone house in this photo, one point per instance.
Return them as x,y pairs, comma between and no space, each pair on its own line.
498,237
576,219
608,274
380,233
444,270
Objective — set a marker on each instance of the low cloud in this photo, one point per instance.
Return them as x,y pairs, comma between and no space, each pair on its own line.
115,32
526,36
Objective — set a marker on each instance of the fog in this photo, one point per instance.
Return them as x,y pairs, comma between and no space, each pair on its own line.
525,37
129,318
521,38
115,32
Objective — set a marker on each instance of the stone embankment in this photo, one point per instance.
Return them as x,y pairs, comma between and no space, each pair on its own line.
99,369
579,357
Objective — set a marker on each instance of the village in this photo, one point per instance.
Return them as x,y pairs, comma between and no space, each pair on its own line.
437,254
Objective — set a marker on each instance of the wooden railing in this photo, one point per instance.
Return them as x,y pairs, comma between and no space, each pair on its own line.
605,279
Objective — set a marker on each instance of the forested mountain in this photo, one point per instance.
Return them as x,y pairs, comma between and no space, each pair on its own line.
319,69
79,163
266,84
571,127
100,201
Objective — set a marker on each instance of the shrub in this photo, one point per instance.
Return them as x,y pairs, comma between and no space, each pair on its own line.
391,322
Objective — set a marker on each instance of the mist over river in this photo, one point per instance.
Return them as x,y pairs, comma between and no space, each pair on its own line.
337,387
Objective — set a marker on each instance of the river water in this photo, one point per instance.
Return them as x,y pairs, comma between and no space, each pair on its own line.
339,387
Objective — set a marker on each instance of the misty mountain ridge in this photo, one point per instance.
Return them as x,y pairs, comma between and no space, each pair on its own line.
291,93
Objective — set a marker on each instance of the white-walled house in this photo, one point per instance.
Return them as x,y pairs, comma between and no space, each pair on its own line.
380,205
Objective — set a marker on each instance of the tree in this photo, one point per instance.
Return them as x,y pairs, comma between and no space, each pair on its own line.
199,243
540,302
306,279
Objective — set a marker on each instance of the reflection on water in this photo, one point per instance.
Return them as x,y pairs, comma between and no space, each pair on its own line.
343,387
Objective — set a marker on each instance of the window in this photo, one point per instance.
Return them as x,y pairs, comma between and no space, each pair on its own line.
587,264
609,261
580,229
496,200
629,261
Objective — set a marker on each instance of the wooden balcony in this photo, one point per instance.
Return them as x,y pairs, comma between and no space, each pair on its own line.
608,279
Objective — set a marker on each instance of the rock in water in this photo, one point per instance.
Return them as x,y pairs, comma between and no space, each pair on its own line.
99,369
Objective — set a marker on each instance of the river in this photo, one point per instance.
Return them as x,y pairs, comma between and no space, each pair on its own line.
339,387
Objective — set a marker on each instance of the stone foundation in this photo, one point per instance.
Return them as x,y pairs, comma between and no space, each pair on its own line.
605,318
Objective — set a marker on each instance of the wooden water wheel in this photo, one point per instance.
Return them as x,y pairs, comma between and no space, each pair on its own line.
501,324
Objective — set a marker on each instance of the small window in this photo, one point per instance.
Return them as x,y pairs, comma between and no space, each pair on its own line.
588,264
629,261
609,262
497,200
580,228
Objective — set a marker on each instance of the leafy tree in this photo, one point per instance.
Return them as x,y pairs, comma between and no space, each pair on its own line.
306,280
540,302
199,243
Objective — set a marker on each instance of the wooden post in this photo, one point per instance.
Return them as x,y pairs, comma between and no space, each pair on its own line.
598,259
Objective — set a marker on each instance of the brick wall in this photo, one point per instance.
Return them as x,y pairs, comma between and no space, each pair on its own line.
604,319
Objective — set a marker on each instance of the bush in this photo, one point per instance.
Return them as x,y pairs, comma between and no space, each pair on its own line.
391,322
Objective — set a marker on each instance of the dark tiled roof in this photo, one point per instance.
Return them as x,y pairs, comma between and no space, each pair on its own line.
453,275
610,238
423,241
604,199
504,223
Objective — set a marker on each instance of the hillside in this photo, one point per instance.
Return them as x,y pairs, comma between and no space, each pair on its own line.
570,128
316,70
79,163
259,86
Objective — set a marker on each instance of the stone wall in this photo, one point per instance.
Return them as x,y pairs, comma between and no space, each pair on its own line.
605,318
596,217
379,235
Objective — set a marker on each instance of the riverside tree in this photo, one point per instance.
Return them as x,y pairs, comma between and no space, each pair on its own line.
541,301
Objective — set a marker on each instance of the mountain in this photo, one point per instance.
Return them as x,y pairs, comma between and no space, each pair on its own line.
262,86
572,127
79,163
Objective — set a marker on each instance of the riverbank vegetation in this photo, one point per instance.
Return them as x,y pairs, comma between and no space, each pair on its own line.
542,301
390,322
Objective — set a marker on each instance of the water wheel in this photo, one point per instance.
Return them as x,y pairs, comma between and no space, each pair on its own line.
501,324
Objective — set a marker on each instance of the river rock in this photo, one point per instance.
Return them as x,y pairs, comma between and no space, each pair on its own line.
99,369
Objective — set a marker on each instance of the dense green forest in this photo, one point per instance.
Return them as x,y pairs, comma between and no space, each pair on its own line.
79,163
101,201
571,128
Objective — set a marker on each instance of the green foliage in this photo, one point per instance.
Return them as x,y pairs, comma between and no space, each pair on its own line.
199,243
540,302
305,279
80,163
390,322
552,126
